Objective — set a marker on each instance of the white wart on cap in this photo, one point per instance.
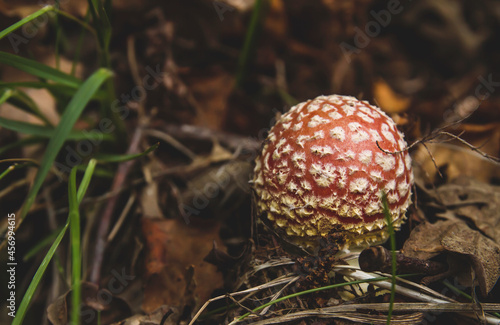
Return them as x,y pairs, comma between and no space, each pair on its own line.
320,169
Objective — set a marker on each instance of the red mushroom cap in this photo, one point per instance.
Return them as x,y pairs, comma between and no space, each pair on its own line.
320,169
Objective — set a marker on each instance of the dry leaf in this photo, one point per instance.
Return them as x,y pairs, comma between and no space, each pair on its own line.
425,240
483,253
211,89
478,202
219,190
428,240
169,316
94,299
174,252
388,100
459,160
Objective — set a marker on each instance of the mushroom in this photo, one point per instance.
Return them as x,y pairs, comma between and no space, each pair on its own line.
324,166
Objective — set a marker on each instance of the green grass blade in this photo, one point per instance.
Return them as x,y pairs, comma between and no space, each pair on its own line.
89,171
23,21
16,166
23,306
58,29
41,245
5,95
68,119
49,132
79,44
463,294
56,89
23,142
87,176
76,258
103,28
7,171
39,69
27,128
21,100
123,158
102,172
258,13
390,228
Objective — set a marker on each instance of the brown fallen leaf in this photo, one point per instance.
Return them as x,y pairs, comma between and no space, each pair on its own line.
472,200
428,240
218,190
425,240
388,100
456,160
164,315
94,300
211,89
176,274
483,253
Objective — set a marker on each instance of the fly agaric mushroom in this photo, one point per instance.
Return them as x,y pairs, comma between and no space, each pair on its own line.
320,169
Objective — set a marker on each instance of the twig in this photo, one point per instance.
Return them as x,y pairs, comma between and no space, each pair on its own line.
172,141
434,135
102,233
239,303
433,160
265,310
473,148
270,284
198,133
350,311
124,213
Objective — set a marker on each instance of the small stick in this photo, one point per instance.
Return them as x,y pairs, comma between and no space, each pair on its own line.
378,258
102,232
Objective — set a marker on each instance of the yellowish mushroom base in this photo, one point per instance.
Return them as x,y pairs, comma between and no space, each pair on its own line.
355,235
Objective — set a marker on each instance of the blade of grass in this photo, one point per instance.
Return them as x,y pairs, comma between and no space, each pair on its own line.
76,258
289,99
58,30
463,294
39,69
31,162
89,172
56,89
41,245
5,95
123,158
23,306
84,24
25,20
87,176
101,172
23,142
103,29
19,99
68,119
258,11
16,166
390,228
7,171
48,132
79,44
